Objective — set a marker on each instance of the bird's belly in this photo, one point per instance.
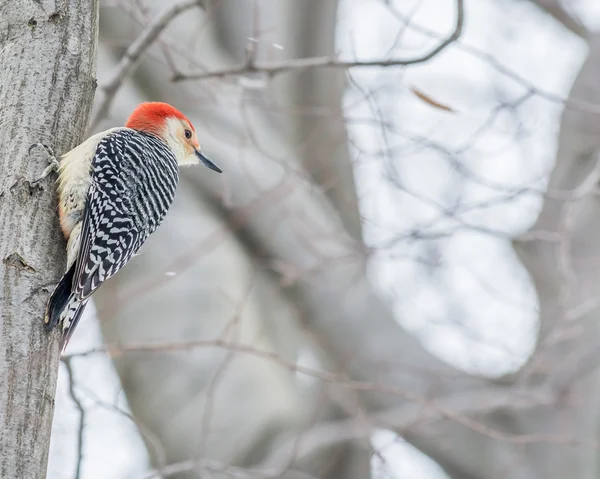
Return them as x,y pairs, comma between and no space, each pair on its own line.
71,204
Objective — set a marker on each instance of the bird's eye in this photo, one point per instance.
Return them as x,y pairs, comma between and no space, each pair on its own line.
188,134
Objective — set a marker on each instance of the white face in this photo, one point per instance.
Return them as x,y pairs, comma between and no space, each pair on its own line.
181,137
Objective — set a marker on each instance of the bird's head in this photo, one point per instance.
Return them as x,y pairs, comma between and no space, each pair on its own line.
168,123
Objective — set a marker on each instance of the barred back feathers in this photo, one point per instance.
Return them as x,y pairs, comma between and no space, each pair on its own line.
134,176
114,190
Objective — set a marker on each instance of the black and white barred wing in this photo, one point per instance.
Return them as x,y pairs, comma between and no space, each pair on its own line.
134,177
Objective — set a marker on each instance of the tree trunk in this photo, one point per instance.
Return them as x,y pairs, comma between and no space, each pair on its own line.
47,83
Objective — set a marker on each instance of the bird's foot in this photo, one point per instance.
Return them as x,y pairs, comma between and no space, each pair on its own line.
53,162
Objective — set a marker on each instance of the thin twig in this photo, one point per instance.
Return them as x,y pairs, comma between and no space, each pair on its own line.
299,64
132,55
213,384
568,216
81,409
155,446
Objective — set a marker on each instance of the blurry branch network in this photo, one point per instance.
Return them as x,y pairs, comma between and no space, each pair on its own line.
151,33
133,54
458,407
272,69
455,407
321,436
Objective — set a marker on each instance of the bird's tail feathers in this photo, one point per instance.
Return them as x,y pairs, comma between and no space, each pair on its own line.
64,308
70,318
59,299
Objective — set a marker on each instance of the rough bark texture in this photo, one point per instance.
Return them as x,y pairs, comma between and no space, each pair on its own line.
47,82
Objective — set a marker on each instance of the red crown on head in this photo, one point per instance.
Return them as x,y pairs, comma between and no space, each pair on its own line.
151,117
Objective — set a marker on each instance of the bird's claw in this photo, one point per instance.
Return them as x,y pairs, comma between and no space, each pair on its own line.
53,162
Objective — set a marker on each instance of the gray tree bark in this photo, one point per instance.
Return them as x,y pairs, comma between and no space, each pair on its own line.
47,82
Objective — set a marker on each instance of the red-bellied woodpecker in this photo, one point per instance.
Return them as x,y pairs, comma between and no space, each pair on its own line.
113,191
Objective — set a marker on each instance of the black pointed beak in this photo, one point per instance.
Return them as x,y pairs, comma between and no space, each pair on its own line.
208,163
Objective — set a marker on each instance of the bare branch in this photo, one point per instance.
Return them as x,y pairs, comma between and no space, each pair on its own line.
555,9
403,417
330,433
437,408
300,64
132,55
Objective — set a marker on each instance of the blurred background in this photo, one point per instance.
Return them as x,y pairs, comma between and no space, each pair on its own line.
396,276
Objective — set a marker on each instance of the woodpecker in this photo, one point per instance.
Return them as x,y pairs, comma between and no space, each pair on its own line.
114,190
